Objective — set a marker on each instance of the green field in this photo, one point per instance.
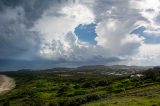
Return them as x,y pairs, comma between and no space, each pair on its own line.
90,88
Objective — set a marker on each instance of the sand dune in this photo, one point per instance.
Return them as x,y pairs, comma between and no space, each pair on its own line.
6,83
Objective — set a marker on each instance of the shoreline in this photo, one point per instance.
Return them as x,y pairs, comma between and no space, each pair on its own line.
6,84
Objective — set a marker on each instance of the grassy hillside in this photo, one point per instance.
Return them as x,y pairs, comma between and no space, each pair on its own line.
88,88
146,96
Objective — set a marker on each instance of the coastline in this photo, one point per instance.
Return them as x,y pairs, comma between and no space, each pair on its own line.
6,84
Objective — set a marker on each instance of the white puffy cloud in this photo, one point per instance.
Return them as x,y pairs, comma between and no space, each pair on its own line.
58,31
60,42
150,11
148,55
114,38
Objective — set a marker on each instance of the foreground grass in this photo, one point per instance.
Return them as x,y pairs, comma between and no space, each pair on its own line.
150,100
146,96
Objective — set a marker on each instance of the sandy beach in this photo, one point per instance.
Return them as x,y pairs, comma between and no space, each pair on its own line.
6,83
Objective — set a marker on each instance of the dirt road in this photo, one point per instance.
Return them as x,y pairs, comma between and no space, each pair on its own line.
6,83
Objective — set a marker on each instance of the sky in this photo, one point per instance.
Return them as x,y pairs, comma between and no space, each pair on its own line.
39,34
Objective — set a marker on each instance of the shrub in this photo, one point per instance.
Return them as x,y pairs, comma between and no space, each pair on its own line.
76,86
67,83
102,83
92,97
6,104
77,101
63,90
80,92
158,79
53,104
87,85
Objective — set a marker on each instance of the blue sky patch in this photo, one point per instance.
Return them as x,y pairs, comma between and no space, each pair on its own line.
138,31
148,38
86,33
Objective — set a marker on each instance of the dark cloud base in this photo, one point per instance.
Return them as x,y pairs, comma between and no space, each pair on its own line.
11,65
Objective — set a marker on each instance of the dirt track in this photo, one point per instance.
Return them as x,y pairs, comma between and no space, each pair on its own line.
6,83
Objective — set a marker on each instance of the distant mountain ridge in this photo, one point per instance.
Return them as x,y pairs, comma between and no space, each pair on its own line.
93,67
114,67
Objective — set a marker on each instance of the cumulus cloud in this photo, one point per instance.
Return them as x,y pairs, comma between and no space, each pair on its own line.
58,31
112,37
148,54
149,10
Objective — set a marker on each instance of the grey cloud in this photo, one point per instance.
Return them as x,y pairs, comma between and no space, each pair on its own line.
33,9
114,9
14,64
16,40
